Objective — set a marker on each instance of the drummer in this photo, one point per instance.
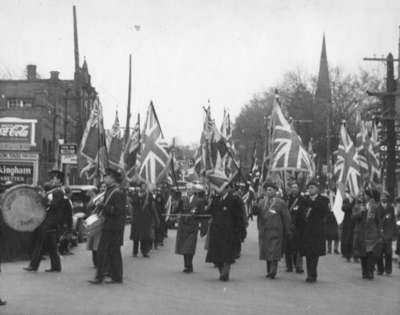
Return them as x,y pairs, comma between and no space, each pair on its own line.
48,230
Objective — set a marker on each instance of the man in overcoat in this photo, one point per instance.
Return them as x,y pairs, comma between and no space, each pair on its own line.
188,226
113,211
273,226
297,208
388,229
48,231
226,221
346,236
313,240
367,232
144,221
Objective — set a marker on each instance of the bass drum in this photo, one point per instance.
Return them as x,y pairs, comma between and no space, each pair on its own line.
22,208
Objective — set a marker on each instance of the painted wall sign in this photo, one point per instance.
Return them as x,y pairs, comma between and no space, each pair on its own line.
16,132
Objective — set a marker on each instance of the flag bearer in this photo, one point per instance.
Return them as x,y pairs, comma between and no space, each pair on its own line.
313,240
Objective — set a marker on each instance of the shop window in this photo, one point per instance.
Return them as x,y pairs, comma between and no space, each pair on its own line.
14,102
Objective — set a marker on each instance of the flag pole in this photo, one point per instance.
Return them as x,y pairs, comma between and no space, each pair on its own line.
128,107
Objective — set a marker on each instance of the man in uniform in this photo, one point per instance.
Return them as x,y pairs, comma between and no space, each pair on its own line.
313,240
113,210
47,236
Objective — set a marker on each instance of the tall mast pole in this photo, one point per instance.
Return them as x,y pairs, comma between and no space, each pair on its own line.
128,108
76,48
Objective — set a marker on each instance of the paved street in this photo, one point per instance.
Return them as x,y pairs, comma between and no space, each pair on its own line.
158,286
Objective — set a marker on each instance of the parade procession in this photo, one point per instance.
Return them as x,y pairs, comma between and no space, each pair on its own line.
214,159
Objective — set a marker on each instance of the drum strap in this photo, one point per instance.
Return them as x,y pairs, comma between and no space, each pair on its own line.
110,195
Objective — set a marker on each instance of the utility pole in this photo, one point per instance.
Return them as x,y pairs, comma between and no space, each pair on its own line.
388,120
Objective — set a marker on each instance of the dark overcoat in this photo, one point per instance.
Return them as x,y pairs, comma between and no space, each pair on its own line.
226,221
331,227
346,238
273,225
313,240
144,218
188,226
114,213
388,223
367,234
297,208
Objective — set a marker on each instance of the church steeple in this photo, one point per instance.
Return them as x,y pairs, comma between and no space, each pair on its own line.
323,110
323,92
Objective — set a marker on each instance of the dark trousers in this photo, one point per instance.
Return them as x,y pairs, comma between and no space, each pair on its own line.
94,258
272,267
145,247
224,270
188,261
384,262
312,264
46,239
346,250
293,259
367,265
335,246
109,257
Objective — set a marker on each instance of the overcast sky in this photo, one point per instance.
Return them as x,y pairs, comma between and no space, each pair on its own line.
189,51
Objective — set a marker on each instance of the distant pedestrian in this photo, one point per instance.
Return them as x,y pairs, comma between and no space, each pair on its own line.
331,233
388,228
397,213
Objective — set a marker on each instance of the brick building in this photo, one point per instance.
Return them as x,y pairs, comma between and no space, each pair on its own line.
36,113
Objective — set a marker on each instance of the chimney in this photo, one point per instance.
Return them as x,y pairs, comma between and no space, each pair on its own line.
31,72
54,75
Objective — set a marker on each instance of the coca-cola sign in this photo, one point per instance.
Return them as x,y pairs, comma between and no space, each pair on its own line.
17,130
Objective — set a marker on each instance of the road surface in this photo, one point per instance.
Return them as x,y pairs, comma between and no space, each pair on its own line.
158,286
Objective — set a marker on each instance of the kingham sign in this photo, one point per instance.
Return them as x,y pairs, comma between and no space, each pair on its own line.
17,173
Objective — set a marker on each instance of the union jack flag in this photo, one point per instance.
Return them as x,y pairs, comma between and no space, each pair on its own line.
154,156
288,151
210,156
347,167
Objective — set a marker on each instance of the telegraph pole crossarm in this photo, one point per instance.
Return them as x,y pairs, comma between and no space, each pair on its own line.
389,97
